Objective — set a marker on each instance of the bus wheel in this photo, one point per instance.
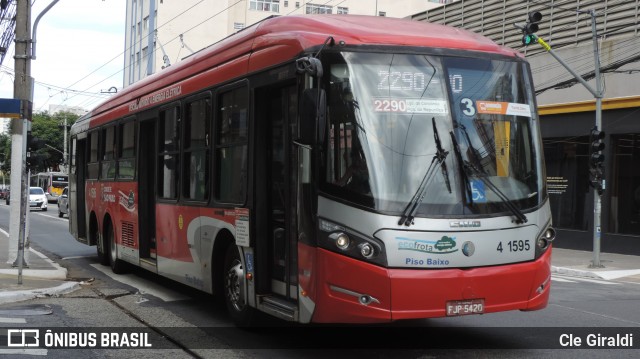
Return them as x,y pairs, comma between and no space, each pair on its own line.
101,247
117,266
234,289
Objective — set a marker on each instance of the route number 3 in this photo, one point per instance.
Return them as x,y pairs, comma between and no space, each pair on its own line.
467,107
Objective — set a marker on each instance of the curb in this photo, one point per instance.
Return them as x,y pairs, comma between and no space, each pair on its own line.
21,295
576,272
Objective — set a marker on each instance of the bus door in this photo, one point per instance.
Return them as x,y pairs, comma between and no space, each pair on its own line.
146,193
77,208
278,108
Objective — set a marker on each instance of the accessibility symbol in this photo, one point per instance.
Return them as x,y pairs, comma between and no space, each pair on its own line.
478,192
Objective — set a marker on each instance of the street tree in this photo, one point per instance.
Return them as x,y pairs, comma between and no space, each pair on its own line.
48,129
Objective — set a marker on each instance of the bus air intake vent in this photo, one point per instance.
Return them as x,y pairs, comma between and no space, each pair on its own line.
127,234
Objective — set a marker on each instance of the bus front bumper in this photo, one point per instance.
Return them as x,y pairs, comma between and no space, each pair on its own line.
352,291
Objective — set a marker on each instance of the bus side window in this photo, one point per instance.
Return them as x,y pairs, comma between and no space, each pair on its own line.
92,165
107,152
169,147
126,150
231,146
196,150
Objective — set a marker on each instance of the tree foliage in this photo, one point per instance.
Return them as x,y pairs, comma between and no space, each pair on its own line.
49,129
5,153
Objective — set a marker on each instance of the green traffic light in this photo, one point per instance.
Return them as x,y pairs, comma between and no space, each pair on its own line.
528,39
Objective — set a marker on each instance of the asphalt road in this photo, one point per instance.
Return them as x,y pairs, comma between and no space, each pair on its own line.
186,323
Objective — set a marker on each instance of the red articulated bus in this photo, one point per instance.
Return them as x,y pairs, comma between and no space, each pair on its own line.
328,169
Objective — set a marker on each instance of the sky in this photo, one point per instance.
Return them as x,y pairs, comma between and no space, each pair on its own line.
79,53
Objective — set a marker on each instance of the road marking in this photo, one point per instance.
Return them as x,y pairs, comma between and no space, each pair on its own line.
581,279
557,279
615,274
40,352
13,320
77,257
144,286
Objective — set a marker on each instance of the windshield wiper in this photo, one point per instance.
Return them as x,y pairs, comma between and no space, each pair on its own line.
438,160
467,167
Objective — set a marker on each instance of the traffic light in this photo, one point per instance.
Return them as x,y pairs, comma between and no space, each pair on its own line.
531,27
596,159
34,143
34,159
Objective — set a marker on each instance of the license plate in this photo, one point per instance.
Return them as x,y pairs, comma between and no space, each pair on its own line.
465,307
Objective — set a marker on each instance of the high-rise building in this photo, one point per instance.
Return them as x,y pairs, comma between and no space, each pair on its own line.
160,33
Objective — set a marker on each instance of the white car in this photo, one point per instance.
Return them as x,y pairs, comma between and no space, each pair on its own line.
37,198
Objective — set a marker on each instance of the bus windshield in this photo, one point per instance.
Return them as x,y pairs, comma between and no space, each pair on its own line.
391,115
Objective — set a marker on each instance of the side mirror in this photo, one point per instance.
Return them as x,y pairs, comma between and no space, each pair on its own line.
313,116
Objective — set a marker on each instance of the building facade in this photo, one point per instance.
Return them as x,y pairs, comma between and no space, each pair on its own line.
160,33
567,108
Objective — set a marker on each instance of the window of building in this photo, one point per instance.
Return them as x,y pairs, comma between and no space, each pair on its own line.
231,146
238,25
624,185
196,150
145,23
319,9
343,10
286,3
126,150
567,181
382,13
169,138
265,5
144,53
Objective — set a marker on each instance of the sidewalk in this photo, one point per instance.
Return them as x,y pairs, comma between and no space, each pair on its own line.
44,277
40,277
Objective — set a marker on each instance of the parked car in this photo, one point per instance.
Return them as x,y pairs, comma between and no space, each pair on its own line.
63,203
3,193
37,198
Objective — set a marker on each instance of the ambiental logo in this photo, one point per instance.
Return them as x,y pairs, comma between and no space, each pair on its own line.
444,245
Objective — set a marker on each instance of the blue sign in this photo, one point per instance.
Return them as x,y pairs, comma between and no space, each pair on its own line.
478,191
10,108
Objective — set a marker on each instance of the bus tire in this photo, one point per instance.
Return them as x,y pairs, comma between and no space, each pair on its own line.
102,248
117,265
234,289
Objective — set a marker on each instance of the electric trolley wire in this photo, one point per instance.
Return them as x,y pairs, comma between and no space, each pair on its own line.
77,93
146,36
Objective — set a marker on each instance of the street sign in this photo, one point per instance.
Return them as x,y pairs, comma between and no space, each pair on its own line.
10,108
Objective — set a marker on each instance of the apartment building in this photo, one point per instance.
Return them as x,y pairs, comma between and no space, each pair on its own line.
160,33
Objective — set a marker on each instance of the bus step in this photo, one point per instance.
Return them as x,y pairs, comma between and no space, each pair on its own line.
149,264
279,307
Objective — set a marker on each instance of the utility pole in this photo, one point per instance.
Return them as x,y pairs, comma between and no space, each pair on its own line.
598,183
22,87
23,91
65,155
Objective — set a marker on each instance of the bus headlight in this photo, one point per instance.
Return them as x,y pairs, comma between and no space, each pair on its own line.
342,240
367,250
546,238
